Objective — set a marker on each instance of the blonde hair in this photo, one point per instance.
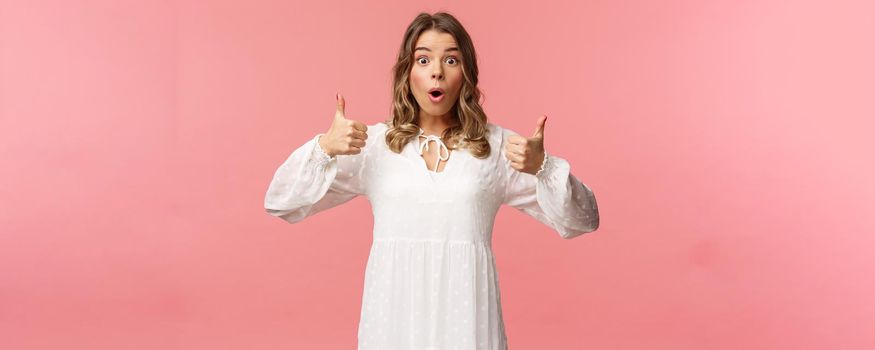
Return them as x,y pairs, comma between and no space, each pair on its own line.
471,131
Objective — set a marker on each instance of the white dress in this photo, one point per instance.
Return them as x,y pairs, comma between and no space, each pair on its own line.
430,280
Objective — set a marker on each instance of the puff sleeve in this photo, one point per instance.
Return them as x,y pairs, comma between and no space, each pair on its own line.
309,181
554,196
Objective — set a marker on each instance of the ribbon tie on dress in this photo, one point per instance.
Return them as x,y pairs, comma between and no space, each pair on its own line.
423,145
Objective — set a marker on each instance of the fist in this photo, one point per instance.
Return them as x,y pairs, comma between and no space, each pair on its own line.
527,154
345,136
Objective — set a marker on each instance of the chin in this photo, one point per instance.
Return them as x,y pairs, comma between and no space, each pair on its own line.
431,109
435,111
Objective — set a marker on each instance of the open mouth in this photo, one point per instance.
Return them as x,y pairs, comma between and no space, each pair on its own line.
436,94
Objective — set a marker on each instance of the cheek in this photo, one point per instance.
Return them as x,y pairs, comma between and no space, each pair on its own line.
455,80
417,79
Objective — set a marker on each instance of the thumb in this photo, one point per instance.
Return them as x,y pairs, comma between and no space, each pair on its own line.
539,131
341,105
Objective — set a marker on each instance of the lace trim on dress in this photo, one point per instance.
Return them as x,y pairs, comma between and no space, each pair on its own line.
547,164
321,156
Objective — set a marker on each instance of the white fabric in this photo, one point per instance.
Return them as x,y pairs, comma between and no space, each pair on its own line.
443,153
430,280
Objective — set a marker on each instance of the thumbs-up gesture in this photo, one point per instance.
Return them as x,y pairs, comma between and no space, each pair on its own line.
527,154
345,136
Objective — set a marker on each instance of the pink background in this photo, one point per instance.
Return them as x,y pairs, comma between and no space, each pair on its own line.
729,144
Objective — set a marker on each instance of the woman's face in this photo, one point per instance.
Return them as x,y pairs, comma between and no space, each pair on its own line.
437,63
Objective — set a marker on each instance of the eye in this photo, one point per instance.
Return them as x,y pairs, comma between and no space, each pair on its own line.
452,60
422,58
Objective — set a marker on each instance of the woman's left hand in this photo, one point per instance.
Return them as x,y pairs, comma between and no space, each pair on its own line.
527,154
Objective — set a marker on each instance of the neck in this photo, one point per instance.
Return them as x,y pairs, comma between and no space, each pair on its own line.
435,124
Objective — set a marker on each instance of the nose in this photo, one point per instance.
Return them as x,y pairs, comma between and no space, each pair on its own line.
437,73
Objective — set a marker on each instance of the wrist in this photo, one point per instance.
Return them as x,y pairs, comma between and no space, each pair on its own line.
322,147
540,171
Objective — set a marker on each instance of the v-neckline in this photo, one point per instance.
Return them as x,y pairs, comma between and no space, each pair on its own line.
422,167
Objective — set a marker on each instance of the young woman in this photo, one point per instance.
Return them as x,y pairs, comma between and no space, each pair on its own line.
436,174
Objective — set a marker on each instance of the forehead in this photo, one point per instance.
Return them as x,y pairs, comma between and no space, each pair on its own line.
435,40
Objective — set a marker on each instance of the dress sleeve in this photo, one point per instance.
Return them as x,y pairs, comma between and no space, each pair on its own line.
553,196
310,181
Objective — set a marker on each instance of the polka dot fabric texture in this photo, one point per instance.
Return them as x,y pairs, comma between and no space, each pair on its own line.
431,281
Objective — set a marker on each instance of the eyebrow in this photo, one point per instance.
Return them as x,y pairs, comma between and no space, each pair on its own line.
429,50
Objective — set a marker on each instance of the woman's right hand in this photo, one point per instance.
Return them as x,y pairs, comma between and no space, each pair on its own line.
345,136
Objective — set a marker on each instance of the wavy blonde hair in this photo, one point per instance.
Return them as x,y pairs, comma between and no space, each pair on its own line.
471,131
